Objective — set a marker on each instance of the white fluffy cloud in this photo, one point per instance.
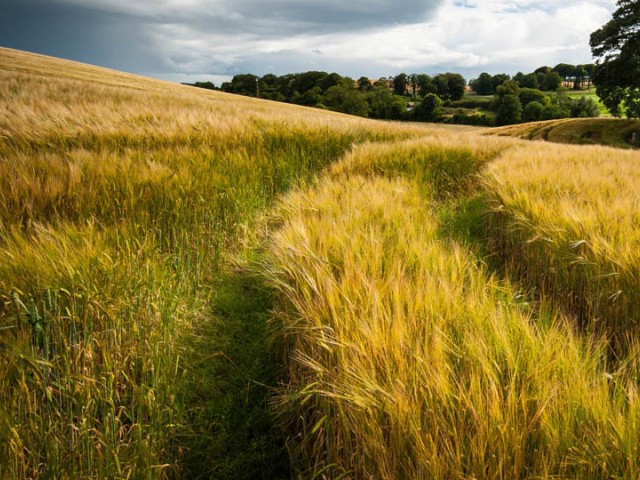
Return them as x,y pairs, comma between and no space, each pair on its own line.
204,39
468,36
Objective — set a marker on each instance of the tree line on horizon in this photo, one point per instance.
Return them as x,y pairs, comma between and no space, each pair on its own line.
391,98
538,95
547,79
421,97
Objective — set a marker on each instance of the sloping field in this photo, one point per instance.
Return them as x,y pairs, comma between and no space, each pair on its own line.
121,199
198,285
613,132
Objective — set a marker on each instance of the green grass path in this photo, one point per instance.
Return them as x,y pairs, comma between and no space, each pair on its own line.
233,376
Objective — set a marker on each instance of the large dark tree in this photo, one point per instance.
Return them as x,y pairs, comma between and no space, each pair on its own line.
425,84
364,84
565,70
483,85
456,85
384,104
498,79
428,110
529,80
243,84
507,103
449,86
551,81
509,110
342,98
616,45
400,83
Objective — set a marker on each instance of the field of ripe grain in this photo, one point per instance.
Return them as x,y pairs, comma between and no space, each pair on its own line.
409,358
567,221
200,285
121,201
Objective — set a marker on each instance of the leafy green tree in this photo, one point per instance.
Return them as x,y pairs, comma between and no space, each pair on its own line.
384,104
578,80
498,79
425,84
364,84
456,84
509,110
429,109
400,82
398,107
332,80
308,80
544,70
529,80
552,81
449,86
269,88
528,95
311,97
509,87
519,77
379,99
507,104
341,98
616,45
205,85
483,85
533,112
584,107
565,70
559,106
589,68
441,86
285,85
632,102
242,84
413,84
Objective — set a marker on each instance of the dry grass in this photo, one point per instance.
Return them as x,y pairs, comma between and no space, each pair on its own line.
566,220
408,360
120,199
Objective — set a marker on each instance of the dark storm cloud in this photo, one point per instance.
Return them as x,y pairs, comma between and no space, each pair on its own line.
334,15
271,19
281,16
113,40
166,36
191,39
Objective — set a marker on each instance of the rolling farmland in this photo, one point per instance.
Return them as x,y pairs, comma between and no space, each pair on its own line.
200,285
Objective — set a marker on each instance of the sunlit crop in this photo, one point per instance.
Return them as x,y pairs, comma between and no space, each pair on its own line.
200,285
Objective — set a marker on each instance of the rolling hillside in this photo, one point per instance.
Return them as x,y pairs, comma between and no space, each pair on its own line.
122,202
201,285
613,132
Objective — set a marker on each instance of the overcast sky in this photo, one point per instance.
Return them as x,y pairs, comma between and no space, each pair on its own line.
188,40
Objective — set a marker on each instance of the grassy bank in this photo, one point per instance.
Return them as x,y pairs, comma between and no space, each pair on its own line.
612,132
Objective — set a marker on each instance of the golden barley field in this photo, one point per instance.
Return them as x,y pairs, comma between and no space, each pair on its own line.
201,285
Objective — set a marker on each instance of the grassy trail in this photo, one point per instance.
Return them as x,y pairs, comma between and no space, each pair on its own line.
233,373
